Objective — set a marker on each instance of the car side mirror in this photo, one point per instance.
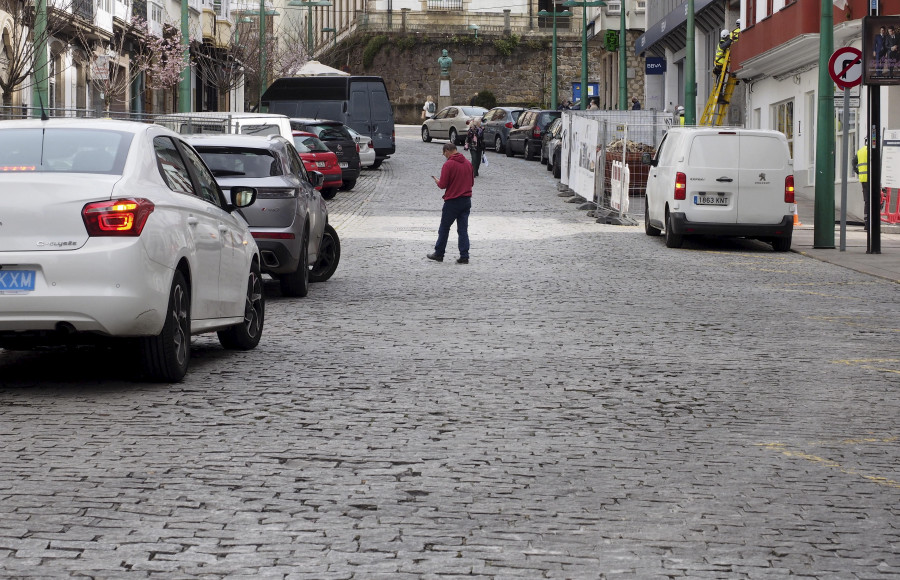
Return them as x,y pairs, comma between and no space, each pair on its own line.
242,196
316,178
647,159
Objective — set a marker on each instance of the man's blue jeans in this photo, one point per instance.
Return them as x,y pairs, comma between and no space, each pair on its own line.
455,210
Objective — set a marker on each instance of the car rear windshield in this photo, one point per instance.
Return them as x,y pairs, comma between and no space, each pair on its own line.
260,130
473,111
330,132
309,144
718,151
240,162
63,150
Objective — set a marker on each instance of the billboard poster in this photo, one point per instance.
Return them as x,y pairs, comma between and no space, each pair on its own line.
881,50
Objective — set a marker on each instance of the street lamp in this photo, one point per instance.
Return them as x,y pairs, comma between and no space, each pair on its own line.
475,28
584,6
554,94
309,31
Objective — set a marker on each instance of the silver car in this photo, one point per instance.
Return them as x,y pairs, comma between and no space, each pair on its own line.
289,218
451,123
497,123
366,150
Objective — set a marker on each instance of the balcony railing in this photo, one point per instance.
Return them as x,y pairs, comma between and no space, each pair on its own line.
84,9
445,5
487,22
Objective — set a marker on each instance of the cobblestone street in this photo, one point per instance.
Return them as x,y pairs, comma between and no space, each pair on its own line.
577,402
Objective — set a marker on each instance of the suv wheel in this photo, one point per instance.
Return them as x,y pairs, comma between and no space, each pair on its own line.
529,155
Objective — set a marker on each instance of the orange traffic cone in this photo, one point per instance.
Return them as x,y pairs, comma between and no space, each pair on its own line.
796,218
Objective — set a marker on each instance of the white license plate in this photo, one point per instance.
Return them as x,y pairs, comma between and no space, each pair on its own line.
320,164
16,281
343,165
710,200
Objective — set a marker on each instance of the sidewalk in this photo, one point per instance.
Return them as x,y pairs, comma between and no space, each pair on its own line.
884,265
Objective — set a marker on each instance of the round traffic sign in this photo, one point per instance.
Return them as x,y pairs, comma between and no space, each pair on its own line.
845,67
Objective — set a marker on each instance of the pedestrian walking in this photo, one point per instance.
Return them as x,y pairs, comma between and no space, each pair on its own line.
475,143
429,108
861,168
635,104
457,180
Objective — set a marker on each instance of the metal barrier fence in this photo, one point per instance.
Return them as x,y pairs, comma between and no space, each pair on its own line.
23,112
601,158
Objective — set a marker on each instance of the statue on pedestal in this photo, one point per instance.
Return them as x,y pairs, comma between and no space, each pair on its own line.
445,61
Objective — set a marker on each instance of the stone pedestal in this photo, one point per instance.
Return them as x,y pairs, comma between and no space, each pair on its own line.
444,98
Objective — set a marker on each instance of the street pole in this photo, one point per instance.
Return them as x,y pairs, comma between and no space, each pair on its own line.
554,87
262,52
823,233
873,130
584,67
41,93
184,85
623,63
690,75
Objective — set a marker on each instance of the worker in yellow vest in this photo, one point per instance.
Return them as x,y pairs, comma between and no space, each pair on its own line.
861,168
679,115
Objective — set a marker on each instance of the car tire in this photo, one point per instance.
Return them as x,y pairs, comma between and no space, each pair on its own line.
782,244
426,136
648,229
673,240
328,258
541,158
329,192
549,163
498,144
509,151
348,184
527,152
453,136
246,335
377,164
557,170
165,357
296,284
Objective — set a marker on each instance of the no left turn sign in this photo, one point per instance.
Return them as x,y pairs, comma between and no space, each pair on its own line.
846,67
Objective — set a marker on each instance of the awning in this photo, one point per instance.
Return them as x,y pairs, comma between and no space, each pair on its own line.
708,14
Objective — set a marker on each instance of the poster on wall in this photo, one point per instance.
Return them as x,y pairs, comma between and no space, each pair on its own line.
881,50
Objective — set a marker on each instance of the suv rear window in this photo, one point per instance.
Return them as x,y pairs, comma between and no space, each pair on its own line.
61,150
240,162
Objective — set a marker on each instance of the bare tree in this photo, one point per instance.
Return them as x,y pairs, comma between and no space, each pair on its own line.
117,62
19,42
284,49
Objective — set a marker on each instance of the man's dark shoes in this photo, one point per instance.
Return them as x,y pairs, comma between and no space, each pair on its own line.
435,257
462,261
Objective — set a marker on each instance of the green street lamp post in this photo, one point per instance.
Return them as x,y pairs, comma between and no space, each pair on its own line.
690,74
623,63
584,6
309,5
184,85
554,92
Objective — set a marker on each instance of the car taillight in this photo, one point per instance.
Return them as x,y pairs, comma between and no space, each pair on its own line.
680,186
789,189
509,125
275,192
122,217
357,147
536,132
273,235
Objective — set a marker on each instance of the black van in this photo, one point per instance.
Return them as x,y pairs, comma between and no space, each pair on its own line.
360,102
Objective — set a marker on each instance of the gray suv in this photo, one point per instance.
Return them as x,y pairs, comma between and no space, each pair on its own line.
526,135
497,124
289,217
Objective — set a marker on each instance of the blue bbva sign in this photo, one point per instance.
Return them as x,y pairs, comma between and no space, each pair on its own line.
655,65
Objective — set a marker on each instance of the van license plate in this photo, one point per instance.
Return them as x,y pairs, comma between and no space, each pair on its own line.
343,165
710,200
16,281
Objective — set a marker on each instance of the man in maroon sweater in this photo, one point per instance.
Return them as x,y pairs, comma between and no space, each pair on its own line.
457,179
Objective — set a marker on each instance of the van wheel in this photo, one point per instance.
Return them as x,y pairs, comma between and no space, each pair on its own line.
498,144
426,136
673,240
782,244
329,192
648,229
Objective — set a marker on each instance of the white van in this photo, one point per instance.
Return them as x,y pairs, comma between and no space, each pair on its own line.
721,182
228,123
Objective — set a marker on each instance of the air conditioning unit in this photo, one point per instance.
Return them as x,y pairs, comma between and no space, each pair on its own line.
614,7
641,6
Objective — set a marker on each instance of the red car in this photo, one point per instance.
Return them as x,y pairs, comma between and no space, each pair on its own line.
317,156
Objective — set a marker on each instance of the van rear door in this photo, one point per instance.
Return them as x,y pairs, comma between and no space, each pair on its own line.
370,113
764,165
712,178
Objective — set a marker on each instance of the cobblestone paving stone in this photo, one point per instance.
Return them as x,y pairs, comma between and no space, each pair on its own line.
578,402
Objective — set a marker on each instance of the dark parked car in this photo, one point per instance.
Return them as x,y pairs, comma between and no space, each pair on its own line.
497,124
553,131
336,136
525,136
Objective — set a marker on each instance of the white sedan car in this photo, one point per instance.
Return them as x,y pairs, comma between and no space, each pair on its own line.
112,229
366,150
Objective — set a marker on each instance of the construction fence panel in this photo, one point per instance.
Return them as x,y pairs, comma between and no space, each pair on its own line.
593,140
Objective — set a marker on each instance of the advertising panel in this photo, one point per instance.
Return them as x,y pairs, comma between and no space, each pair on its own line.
881,50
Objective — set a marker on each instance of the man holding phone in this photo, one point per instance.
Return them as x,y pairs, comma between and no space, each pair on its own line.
457,179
